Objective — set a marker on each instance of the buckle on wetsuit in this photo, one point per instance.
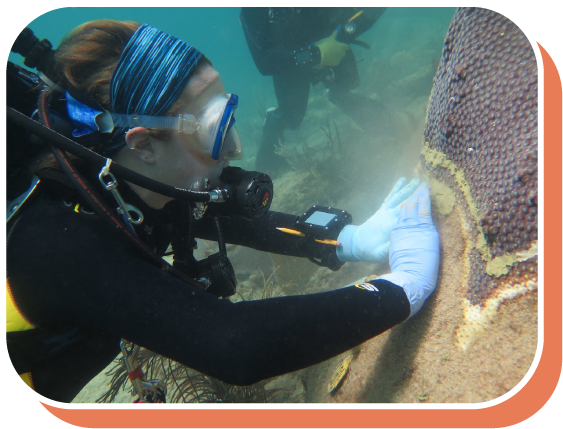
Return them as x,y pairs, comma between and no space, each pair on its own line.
123,208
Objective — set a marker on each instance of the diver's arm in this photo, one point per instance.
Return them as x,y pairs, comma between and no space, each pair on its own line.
68,268
263,234
270,58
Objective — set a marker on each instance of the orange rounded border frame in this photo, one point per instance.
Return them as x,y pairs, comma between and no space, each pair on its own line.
530,399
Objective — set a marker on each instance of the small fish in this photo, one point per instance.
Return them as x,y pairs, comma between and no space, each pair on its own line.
423,397
339,374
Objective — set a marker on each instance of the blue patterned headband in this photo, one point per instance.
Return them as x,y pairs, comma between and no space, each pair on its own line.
152,71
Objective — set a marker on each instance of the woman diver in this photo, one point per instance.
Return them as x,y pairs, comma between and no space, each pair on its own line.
76,286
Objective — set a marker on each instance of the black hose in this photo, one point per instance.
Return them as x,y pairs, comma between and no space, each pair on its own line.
220,241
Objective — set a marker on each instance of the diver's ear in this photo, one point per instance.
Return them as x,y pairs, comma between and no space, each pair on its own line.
139,142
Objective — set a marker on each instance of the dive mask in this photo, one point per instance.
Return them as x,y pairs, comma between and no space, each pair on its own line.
213,126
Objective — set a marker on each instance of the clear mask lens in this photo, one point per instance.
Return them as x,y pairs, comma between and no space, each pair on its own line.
216,133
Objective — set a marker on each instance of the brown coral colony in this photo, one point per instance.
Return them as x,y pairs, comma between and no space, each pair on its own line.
483,117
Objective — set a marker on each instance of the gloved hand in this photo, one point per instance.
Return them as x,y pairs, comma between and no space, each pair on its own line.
369,242
414,254
332,51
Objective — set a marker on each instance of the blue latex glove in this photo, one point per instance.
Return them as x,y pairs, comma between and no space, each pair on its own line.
414,254
369,242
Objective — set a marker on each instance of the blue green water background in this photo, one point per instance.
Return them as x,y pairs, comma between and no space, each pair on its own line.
217,32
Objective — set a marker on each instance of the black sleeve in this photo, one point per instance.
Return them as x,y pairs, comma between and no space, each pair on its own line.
263,235
266,50
69,268
363,23
270,49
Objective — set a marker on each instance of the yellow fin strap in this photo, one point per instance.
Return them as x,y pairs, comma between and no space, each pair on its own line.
27,379
14,319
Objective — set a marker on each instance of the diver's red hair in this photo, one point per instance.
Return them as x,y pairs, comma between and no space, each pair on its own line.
88,55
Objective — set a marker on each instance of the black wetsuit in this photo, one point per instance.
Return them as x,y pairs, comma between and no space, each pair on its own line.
273,35
86,287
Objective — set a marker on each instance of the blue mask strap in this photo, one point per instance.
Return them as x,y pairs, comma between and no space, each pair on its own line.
83,117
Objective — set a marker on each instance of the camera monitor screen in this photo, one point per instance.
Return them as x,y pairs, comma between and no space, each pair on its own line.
320,218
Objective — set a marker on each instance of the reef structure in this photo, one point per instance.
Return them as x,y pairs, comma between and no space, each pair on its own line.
481,157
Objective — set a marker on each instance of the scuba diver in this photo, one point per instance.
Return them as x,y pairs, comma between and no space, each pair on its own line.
303,46
141,132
